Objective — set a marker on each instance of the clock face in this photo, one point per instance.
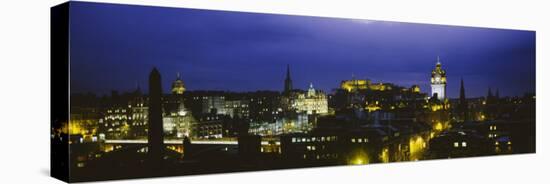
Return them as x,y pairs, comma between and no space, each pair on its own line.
438,79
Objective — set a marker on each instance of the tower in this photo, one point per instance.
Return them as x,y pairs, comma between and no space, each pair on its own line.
439,81
155,135
311,90
177,86
288,81
463,104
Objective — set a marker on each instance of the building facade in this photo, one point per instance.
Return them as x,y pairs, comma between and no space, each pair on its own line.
312,102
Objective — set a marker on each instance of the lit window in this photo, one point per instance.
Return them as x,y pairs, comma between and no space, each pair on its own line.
293,139
352,140
463,144
456,144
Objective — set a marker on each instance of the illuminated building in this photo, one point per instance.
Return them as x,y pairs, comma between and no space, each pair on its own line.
177,121
264,106
237,108
266,129
332,140
83,124
310,147
139,112
354,147
354,84
177,86
206,102
209,126
439,81
415,89
362,84
312,102
294,123
213,104
116,123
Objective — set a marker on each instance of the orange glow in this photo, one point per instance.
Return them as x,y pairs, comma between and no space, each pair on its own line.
385,156
438,126
417,146
360,158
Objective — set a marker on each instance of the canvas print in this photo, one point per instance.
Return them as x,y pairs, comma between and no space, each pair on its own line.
155,91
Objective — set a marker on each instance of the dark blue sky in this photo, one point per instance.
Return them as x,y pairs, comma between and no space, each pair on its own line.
113,47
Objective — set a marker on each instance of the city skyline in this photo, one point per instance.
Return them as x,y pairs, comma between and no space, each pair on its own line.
230,91
219,51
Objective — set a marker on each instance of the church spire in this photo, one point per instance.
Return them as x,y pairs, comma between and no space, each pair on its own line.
462,94
138,88
489,93
463,104
288,80
287,71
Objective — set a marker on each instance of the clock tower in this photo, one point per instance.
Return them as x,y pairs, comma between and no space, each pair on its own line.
439,81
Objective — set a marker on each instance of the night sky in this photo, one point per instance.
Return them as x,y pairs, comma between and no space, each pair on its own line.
114,47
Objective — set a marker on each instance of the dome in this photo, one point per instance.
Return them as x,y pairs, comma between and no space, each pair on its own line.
177,86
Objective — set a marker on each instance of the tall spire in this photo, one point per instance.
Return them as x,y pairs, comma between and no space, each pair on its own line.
288,81
138,88
462,95
287,71
489,93
463,104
